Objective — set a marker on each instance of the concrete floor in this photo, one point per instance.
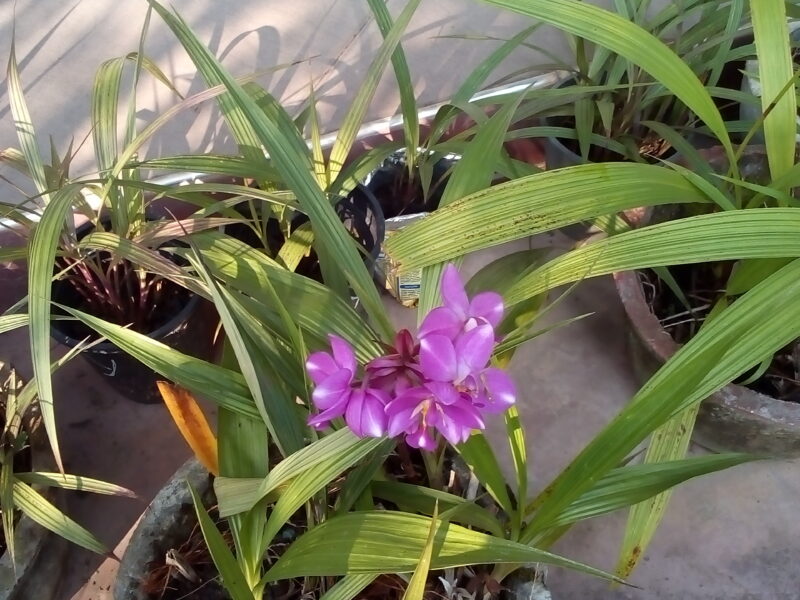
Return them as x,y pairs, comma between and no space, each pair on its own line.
732,535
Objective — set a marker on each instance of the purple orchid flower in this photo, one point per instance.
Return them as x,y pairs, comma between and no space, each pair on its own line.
436,405
337,392
443,383
464,363
460,314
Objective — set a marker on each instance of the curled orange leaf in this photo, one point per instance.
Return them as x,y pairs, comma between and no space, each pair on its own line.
192,424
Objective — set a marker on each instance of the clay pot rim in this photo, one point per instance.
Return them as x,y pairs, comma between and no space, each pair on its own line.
648,329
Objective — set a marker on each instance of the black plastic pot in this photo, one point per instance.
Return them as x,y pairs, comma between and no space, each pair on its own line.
189,329
385,182
359,211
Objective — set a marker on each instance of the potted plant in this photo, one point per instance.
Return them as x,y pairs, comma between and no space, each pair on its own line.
740,337
94,269
28,502
277,323
613,109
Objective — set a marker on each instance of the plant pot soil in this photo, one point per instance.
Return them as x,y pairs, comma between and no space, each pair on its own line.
180,319
400,194
39,553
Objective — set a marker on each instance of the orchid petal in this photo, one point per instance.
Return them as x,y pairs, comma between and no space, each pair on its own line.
332,390
319,366
453,293
474,349
422,439
343,353
437,357
441,320
401,412
499,389
458,421
445,393
488,306
321,420
373,414
404,343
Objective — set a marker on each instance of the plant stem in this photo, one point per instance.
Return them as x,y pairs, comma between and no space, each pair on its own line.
433,467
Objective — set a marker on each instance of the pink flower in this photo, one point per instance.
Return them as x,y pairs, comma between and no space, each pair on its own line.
460,314
337,392
464,364
442,384
438,406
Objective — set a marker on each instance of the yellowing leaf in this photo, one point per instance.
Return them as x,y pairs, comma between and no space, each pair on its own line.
192,424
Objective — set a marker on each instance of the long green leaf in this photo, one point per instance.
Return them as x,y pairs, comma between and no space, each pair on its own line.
24,125
105,107
535,204
314,307
631,41
42,254
7,503
281,418
11,322
342,446
48,516
752,233
423,500
416,585
222,386
348,587
775,69
471,173
314,479
736,339
275,131
226,564
392,542
669,442
480,458
625,486
74,482
405,87
516,439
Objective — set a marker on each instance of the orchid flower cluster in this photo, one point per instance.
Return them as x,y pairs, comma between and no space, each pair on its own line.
440,382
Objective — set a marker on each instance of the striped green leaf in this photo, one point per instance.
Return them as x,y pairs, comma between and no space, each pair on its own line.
392,542
737,338
222,386
272,129
235,583
348,587
74,482
775,69
730,235
41,257
360,102
24,125
534,204
41,511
